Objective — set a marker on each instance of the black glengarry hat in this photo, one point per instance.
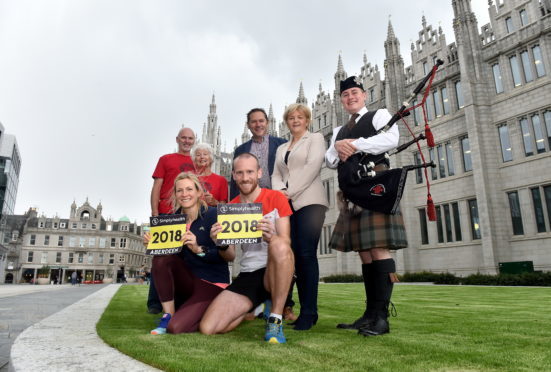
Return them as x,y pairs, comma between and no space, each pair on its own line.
351,82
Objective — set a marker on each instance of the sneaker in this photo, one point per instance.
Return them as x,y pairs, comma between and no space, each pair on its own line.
267,309
163,323
274,331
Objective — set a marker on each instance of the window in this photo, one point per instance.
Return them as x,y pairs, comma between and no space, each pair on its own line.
44,258
538,133
445,101
506,153
538,209
441,161
371,95
437,103
449,156
526,137
46,239
109,227
439,228
418,172
547,196
538,61
91,242
100,258
328,186
515,71
433,172
475,222
523,17
459,95
425,68
111,259
423,224
428,108
121,258
122,243
102,242
124,227
30,256
526,66
84,225
60,241
72,241
55,225
93,226
71,257
62,225
82,242
448,222
80,257
509,25
113,242
516,216
415,113
497,78
41,224
58,257
32,239
456,222
90,258
466,152
547,119
74,225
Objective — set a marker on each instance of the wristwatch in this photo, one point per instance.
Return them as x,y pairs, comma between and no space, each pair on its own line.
223,247
203,251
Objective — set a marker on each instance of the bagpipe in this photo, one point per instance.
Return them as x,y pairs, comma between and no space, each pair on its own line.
381,190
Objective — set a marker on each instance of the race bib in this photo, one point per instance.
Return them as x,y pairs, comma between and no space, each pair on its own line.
239,223
166,234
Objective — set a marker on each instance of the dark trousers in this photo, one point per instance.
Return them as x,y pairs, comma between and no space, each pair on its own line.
153,297
306,225
192,296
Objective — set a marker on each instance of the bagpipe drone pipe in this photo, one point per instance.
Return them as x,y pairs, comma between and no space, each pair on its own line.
381,191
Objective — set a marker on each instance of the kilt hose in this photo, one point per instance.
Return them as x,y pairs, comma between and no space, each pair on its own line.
366,230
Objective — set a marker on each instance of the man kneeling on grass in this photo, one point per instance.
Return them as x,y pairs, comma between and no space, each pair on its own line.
266,267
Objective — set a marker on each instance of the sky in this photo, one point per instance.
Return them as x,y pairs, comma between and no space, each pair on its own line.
95,91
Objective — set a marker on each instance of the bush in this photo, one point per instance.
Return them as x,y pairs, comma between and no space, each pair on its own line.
343,278
426,276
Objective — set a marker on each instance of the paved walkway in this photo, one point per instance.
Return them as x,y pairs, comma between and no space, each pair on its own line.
22,305
67,341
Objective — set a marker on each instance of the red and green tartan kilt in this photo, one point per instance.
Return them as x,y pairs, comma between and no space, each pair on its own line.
368,230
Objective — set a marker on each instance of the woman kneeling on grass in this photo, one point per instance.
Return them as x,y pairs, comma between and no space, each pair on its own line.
187,282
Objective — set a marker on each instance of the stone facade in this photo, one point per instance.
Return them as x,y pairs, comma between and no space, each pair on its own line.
490,112
85,242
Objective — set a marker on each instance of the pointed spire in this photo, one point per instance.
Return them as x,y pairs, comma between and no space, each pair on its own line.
424,21
365,57
271,110
301,98
213,99
390,32
340,68
320,88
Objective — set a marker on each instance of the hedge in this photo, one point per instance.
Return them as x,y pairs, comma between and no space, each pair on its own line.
537,279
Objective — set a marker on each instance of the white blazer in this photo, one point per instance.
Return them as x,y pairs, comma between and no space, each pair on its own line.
301,176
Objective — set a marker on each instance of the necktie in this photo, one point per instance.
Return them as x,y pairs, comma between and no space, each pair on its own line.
352,121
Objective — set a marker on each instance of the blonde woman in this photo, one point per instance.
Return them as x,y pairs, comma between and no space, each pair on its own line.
215,187
297,174
188,281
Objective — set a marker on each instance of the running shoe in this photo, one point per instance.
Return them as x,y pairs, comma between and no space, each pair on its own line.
163,324
274,331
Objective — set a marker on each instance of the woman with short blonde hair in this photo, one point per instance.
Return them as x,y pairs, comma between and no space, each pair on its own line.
215,187
297,174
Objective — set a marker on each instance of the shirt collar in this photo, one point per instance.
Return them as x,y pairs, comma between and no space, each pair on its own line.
264,138
361,113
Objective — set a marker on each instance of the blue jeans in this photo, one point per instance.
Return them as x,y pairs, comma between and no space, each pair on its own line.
306,225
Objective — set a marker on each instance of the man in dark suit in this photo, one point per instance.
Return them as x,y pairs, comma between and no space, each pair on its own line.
262,145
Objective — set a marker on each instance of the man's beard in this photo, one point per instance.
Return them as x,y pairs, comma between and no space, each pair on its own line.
254,185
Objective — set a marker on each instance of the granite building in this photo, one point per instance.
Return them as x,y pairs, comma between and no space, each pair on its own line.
98,249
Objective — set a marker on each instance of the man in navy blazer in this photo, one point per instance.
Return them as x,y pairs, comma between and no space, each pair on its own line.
262,145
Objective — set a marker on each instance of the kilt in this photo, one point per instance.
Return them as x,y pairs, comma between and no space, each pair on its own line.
367,230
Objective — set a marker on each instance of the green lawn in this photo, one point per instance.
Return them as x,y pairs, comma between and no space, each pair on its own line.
438,328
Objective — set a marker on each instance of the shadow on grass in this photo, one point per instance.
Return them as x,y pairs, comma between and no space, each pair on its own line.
439,328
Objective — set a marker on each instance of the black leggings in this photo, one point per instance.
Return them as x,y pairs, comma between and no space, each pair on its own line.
192,296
